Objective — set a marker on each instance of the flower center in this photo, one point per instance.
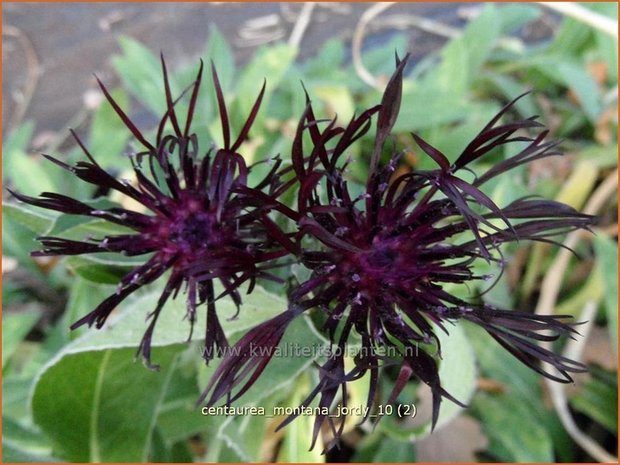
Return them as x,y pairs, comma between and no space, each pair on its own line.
372,269
193,231
381,258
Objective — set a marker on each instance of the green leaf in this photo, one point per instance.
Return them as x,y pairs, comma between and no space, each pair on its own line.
606,251
35,220
100,406
220,51
243,435
451,139
79,227
14,454
28,173
457,372
391,450
514,434
571,39
599,399
15,326
15,396
108,134
427,107
295,447
326,62
104,273
574,192
563,444
510,88
127,330
13,292
379,448
172,327
84,297
454,62
337,100
608,51
463,57
141,73
106,265
18,241
24,438
573,75
270,63
514,420
516,15
66,222
380,60
17,141
494,361
600,156
221,452
179,418
179,452
592,291
98,387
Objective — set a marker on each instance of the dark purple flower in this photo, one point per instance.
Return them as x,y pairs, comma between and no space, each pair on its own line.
385,256
201,221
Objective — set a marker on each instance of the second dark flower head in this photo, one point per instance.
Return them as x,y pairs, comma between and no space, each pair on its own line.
387,256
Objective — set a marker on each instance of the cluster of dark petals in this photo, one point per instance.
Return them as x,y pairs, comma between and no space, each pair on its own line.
384,258
380,261
199,219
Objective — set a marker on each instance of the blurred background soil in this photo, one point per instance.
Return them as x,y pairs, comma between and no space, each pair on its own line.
50,51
